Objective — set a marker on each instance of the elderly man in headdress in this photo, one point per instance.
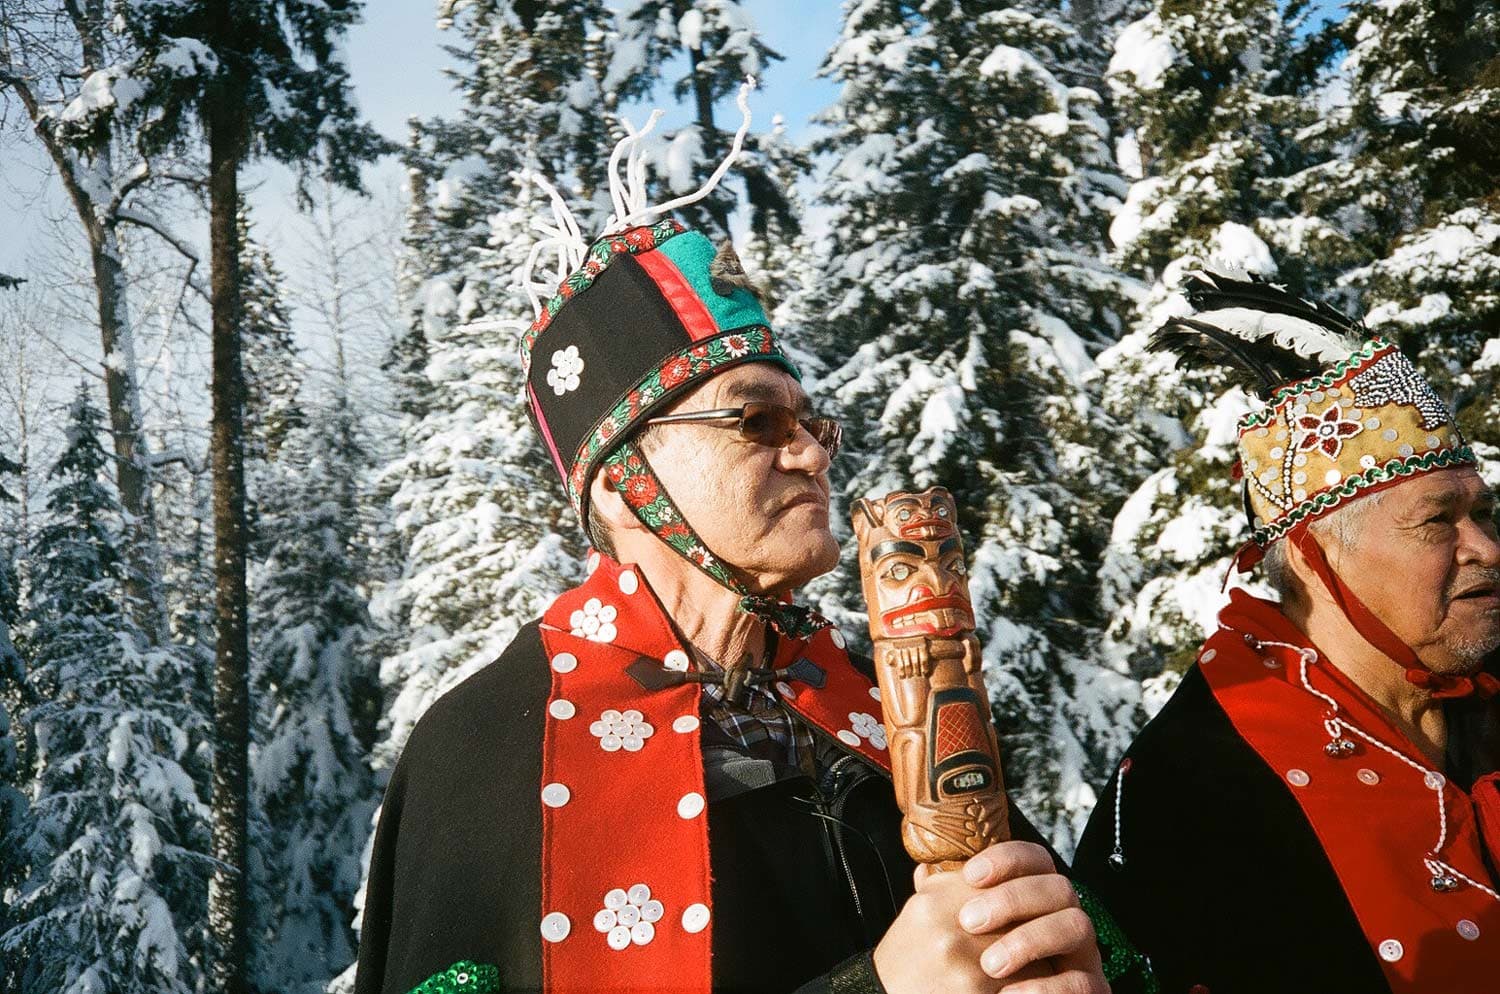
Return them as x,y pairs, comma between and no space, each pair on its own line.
1313,809
677,780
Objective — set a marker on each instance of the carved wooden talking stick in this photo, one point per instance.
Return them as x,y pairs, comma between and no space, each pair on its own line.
945,759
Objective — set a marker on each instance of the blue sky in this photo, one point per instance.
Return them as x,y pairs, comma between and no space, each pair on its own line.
396,59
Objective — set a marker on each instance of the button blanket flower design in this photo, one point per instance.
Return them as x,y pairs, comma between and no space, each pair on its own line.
1327,432
864,726
618,730
629,917
566,367
595,621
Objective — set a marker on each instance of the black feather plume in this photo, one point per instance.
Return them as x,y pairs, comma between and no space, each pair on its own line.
1261,334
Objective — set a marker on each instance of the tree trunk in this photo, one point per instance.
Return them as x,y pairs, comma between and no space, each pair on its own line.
143,580
228,906
143,584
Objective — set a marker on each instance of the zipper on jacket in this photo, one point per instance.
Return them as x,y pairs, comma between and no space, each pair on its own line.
832,794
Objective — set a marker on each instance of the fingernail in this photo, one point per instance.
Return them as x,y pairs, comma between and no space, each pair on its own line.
972,916
977,870
994,962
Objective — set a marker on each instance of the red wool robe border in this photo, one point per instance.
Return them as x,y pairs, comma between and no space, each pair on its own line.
626,895
1375,814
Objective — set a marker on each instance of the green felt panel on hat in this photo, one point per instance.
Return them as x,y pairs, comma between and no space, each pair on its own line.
692,253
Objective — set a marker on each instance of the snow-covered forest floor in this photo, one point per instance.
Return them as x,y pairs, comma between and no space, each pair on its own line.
966,244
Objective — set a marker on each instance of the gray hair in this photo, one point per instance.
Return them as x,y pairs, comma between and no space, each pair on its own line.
1344,526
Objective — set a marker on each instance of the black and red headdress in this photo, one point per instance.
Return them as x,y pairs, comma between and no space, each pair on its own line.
639,317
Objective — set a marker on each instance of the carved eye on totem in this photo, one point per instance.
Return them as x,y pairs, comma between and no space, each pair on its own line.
899,572
942,511
957,567
904,514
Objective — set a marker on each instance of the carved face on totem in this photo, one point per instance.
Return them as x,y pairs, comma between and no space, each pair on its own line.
911,560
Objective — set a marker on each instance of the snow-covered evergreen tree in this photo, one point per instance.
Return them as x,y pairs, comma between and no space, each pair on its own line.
14,813
1413,189
699,51
1212,103
1214,96
273,369
964,303
774,251
118,880
314,683
405,361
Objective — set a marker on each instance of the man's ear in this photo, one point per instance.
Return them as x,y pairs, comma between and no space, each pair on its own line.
1310,588
611,507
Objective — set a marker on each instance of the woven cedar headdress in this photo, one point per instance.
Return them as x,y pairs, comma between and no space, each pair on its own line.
636,319
1346,414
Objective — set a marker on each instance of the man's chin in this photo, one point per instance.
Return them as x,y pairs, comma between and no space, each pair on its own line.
1467,656
816,560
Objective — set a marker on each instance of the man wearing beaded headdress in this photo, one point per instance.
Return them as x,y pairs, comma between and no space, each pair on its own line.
676,779
1315,807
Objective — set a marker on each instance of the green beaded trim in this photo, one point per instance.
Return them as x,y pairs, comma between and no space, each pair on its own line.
1122,961
463,977
1326,500
1342,368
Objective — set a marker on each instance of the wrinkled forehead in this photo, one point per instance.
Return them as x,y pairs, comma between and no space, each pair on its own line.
755,382
1459,489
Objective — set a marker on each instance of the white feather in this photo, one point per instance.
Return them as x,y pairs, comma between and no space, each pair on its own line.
1312,341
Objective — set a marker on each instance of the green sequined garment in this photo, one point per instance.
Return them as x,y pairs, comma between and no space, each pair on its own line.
462,977
1126,969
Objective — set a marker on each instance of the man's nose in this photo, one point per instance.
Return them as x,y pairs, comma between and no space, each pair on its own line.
803,454
1479,545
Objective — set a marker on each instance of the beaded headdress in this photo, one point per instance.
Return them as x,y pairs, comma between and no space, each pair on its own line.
1346,414
634,320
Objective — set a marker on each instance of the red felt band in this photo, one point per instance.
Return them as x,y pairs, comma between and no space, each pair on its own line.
1376,632
1244,560
680,294
541,423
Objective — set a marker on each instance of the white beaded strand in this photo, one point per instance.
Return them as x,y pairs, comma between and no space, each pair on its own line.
1338,725
627,195
1117,857
636,171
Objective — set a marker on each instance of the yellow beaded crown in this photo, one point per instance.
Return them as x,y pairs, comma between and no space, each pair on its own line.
1368,421
1345,413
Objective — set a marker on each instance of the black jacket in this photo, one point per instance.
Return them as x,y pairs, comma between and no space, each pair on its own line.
1224,883
807,875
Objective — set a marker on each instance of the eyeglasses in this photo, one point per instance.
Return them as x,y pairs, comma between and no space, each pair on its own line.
765,424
